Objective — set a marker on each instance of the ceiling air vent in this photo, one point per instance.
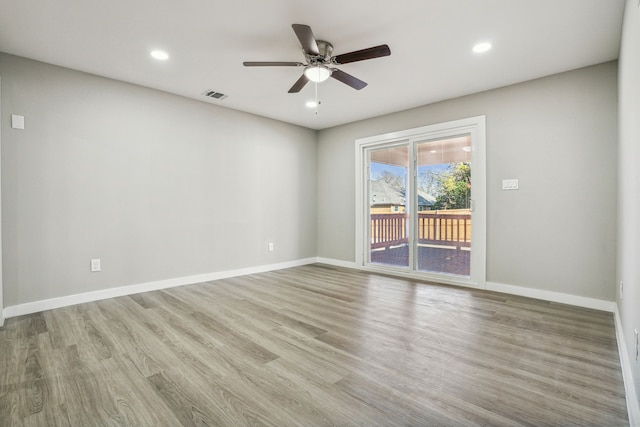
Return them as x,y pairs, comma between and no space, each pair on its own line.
215,95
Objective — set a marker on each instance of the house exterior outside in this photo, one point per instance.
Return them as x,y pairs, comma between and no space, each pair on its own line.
386,198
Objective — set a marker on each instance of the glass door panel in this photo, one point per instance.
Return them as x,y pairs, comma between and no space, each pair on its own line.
389,216
443,204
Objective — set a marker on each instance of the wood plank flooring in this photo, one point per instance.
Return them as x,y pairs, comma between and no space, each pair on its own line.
312,345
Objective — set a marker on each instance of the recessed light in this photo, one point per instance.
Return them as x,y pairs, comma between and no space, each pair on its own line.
160,54
482,47
311,104
433,151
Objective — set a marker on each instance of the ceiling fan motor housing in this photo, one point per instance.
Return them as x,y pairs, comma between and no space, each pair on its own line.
325,50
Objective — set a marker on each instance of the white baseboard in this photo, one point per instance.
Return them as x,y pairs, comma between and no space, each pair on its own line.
633,408
337,262
48,304
37,306
578,301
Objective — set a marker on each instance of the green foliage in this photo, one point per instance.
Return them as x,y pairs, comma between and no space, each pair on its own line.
454,187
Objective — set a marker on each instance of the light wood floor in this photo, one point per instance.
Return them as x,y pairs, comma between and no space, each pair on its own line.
312,345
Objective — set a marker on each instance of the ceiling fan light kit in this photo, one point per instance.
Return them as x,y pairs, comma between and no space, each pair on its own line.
318,73
318,59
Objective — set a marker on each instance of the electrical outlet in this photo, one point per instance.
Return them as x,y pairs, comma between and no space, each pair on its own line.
270,247
621,288
635,331
95,265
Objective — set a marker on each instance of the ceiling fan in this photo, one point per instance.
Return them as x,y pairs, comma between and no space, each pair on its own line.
318,67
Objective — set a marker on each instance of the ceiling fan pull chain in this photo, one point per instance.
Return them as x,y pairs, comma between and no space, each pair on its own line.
317,100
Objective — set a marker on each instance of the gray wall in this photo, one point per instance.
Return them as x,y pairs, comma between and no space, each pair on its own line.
157,186
557,135
629,183
160,186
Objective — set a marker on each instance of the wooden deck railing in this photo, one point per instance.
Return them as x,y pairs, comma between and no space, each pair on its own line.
434,228
388,230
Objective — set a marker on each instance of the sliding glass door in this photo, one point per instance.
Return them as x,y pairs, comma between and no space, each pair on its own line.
419,193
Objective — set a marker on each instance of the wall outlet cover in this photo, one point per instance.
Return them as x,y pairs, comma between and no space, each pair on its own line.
17,122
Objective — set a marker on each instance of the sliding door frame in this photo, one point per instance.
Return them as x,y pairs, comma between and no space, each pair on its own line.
473,126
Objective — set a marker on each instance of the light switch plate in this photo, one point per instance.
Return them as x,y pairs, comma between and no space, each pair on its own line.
509,184
17,122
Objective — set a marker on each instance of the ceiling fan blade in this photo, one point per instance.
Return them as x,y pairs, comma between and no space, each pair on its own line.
298,85
271,64
307,40
361,55
348,79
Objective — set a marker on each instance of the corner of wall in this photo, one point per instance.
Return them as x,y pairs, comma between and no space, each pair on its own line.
633,408
628,248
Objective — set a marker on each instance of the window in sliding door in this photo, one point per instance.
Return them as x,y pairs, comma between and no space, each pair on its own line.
443,243
389,217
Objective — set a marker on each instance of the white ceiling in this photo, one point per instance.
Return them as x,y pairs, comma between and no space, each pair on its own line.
430,41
